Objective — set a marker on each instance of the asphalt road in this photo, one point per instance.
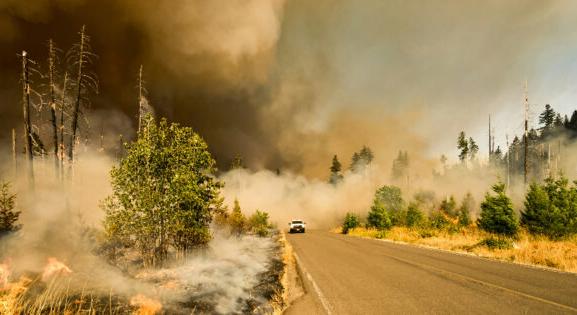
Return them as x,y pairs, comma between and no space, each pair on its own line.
349,275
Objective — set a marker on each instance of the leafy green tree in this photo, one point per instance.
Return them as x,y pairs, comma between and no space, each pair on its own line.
390,197
351,221
415,216
259,224
551,209
164,193
463,147
497,214
8,215
379,217
336,175
465,210
237,220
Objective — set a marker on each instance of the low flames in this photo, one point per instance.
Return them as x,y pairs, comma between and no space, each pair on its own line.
54,267
146,305
4,276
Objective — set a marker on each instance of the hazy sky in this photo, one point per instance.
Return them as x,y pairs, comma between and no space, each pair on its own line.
289,83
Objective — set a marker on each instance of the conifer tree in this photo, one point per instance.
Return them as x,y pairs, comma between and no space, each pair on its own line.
237,220
8,215
336,175
551,208
473,149
465,210
497,214
547,119
463,146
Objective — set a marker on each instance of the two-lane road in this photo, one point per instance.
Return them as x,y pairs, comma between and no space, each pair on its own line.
348,275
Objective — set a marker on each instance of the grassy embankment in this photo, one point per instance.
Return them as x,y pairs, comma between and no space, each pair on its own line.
525,249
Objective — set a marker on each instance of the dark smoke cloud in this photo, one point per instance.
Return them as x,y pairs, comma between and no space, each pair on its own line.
288,84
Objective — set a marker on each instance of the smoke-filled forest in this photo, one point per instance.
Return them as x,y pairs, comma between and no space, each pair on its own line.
153,153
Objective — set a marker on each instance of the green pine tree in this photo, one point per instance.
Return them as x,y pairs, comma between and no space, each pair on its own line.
415,216
336,176
8,215
497,214
351,221
465,210
463,147
551,209
237,220
547,119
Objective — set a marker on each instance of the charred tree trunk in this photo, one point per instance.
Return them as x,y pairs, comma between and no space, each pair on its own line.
26,112
78,96
140,109
62,109
51,71
14,161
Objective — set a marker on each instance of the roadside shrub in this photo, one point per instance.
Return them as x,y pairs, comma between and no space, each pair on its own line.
465,210
551,209
390,197
414,215
496,243
438,220
351,221
497,215
379,217
258,223
449,206
237,220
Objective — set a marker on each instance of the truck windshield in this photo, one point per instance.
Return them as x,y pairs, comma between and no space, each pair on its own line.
297,222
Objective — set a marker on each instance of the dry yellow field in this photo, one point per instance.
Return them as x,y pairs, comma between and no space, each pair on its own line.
526,249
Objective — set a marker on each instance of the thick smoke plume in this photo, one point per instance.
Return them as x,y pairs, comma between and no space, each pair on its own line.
261,78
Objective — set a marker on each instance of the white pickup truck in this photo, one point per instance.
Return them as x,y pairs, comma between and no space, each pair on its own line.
297,226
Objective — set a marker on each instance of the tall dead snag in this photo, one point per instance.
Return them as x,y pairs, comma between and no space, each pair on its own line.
52,98
26,111
140,100
62,109
82,57
14,162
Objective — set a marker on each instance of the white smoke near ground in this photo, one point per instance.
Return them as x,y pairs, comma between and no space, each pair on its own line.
62,228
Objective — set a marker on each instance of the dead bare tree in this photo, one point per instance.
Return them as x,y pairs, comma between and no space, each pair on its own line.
26,112
62,110
52,98
82,57
14,162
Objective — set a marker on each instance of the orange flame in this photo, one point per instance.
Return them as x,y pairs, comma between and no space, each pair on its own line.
54,267
146,306
4,276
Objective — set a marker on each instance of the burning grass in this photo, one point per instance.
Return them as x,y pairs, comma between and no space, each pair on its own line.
233,276
526,249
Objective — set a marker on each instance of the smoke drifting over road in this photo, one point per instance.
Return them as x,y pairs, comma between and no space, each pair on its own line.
261,78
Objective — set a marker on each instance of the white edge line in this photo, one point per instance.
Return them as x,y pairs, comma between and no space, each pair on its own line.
318,291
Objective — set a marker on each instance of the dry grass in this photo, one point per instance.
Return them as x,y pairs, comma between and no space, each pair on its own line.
289,280
33,296
527,249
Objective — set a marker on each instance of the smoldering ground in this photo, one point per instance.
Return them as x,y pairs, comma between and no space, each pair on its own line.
61,224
